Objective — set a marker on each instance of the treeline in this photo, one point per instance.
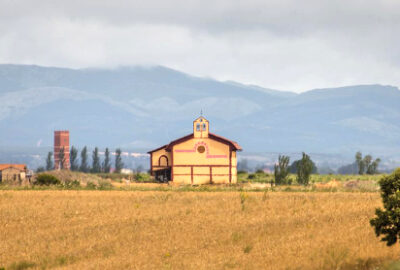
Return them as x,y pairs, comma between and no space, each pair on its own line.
361,165
303,167
82,165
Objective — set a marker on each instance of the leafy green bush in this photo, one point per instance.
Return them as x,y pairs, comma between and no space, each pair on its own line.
142,177
387,221
44,179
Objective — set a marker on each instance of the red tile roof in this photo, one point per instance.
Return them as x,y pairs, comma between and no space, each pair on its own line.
17,166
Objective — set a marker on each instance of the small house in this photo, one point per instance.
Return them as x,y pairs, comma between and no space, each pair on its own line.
12,173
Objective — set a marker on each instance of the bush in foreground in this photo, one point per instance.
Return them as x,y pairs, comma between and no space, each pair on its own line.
387,221
46,180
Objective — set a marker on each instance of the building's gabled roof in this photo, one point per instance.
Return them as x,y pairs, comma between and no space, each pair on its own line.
169,146
216,137
159,148
20,167
177,141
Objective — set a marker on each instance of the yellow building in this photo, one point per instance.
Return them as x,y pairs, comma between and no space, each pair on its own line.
198,158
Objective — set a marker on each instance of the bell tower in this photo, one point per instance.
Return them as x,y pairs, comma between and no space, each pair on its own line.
200,127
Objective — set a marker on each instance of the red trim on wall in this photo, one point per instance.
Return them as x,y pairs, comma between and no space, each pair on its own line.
216,156
191,174
201,174
211,175
185,150
196,165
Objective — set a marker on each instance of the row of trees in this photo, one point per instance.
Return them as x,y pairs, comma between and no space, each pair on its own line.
367,164
83,166
303,168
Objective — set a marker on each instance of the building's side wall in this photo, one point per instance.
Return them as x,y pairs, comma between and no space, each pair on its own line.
12,176
234,167
212,166
159,164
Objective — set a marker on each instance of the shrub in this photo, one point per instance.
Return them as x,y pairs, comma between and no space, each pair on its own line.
72,184
304,169
387,221
142,177
90,185
104,185
281,171
252,176
46,179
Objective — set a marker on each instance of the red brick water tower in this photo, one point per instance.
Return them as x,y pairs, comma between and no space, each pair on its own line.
61,143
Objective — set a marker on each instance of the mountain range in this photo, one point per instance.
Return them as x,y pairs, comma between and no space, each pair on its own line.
140,108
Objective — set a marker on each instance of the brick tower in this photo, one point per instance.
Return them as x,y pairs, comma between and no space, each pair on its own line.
61,141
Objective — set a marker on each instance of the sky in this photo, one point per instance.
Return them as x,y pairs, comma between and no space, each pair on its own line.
279,44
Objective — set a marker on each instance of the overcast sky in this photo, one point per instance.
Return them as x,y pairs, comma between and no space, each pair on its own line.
284,44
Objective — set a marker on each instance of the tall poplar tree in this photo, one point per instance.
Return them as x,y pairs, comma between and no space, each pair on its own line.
74,159
96,161
118,161
49,161
106,162
84,163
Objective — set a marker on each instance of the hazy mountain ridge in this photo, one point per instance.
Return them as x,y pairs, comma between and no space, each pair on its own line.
125,106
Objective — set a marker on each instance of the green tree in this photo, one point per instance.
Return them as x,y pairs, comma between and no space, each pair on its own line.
387,221
304,170
118,161
281,170
84,163
61,159
106,162
360,163
74,158
367,162
373,167
49,161
294,167
96,168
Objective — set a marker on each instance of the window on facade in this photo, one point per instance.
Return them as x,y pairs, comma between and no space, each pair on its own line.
201,149
197,127
204,127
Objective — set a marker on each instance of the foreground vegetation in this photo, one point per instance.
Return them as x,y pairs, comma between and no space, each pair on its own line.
262,177
186,230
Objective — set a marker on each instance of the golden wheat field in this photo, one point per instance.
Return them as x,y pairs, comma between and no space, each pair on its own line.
189,230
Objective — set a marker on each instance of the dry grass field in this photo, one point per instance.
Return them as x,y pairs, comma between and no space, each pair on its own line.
78,229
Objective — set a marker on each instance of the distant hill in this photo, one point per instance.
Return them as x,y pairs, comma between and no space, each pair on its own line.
140,108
